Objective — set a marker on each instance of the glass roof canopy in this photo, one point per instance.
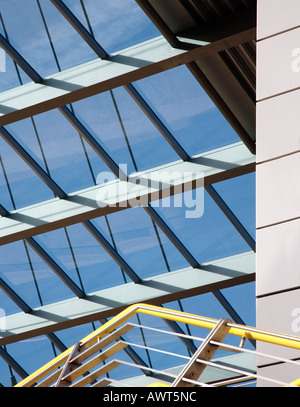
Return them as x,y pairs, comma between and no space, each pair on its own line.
176,121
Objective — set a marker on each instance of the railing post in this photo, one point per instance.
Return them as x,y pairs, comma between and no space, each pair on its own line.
68,367
194,367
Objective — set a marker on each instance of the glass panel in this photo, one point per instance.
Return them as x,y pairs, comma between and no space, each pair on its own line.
7,306
56,244
32,40
16,272
243,299
64,153
50,286
10,75
239,194
137,242
149,148
5,198
97,269
32,353
209,235
71,336
207,305
70,48
124,131
62,149
118,24
26,187
98,114
25,132
5,374
186,110
29,39
174,259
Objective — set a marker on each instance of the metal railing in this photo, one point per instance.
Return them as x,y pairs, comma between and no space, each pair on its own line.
88,362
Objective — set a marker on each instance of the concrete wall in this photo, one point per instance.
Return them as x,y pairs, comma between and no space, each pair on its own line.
278,177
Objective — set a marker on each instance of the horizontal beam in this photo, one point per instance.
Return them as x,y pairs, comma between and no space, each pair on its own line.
98,76
106,303
116,195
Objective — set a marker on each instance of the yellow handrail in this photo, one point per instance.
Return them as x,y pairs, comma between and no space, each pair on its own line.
203,322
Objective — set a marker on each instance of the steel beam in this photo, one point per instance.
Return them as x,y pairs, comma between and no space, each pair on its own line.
12,363
85,34
14,296
174,42
76,123
171,236
57,342
90,40
32,163
159,22
231,216
157,122
206,351
223,106
98,76
111,251
116,195
23,64
3,211
55,267
156,290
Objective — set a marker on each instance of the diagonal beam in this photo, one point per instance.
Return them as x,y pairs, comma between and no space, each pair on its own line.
231,216
157,122
14,296
32,163
55,267
3,211
57,342
159,23
222,106
23,64
171,235
156,290
76,123
143,187
98,76
13,363
231,311
90,40
129,87
189,257
111,251
85,34
244,19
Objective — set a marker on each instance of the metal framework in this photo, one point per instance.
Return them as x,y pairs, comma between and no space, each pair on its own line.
206,53
67,369
160,289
